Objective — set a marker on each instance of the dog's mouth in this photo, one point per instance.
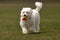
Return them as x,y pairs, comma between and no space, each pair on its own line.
24,17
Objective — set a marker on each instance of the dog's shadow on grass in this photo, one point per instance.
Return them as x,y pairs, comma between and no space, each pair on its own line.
39,32
34,33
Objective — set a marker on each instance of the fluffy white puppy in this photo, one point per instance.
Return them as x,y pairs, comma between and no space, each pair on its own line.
30,18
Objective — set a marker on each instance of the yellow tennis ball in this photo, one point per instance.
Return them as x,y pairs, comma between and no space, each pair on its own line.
24,18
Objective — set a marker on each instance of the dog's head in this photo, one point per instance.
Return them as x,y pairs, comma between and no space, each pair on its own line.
26,12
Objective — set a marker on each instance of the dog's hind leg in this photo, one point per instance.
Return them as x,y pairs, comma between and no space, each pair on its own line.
37,28
34,28
36,25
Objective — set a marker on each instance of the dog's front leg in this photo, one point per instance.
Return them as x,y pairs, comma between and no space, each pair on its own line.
23,26
24,30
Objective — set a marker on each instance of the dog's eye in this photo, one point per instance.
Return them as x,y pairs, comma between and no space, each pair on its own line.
27,12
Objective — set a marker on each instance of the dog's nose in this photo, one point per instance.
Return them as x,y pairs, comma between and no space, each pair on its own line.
24,15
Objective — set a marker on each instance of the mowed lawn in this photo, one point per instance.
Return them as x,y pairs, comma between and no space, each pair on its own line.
49,26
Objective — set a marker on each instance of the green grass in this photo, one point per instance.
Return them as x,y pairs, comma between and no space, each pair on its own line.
49,27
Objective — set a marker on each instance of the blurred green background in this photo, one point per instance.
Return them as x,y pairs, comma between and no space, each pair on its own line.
10,17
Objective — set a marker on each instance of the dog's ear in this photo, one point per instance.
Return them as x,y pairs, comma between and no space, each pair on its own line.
31,10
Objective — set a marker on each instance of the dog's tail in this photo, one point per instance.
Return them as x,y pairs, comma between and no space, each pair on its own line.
38,6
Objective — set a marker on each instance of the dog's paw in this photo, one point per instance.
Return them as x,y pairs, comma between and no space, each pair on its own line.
25,32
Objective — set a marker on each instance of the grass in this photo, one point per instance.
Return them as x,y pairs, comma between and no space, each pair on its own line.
49,27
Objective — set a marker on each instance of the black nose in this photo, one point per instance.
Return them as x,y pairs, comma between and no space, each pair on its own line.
24,15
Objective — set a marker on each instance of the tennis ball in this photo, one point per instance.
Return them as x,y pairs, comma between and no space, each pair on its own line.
24,18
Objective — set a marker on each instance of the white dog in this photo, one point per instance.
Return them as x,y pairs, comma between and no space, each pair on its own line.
30,18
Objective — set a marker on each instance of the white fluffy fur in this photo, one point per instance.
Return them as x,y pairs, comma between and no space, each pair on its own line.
33,20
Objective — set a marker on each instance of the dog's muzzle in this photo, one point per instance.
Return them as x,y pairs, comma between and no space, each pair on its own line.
24,17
